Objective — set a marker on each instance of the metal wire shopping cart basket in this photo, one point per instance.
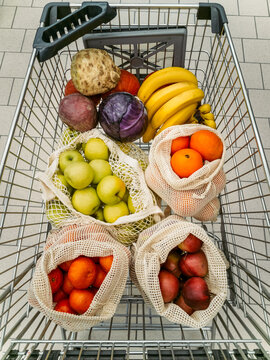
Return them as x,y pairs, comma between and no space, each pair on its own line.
141,38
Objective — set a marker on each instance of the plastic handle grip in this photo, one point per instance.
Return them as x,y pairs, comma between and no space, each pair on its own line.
61,27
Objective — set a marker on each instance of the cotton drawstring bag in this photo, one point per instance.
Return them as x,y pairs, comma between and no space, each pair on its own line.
190,196
66,244
152,249
129,168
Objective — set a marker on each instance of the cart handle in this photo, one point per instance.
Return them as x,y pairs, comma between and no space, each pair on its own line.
214,12
59,26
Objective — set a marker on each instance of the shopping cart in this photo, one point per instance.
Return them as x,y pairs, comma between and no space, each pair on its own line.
141,38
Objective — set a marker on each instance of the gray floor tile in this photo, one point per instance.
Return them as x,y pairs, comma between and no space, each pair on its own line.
17,2
27,18
252,75
242,27
5,90
28,40
14,65
263,27
6,16
7,113
266,75
260,102
256,51
253,8
11,39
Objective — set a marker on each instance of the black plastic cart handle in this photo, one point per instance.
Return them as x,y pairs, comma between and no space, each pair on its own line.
61,26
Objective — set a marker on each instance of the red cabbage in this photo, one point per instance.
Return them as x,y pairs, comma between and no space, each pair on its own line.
123,117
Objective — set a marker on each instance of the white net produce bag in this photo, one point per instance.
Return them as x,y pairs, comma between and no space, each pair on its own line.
186,196
67,244
152,249
125,229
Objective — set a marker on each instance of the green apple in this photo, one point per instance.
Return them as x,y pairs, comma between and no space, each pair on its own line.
59,177
86,201
125,197
111,189
130,205
83,146
56,212
67,157
101,168
79,174
113,212
96,149
99,214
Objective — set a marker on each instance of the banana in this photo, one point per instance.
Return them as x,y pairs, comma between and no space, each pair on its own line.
205,108
160,97
179,118
176,104
210,123
162,77
208,116
149,133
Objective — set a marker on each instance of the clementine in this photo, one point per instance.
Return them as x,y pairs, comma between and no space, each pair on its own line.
101,274
82,272
185,162
64,306
80,300
208,144
106,262
59,295
55,279
67,285
65,265
182,142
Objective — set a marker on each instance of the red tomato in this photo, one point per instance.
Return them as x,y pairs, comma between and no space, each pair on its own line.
65,265
56,279
101,274
70,88
64,306
127,82
59,295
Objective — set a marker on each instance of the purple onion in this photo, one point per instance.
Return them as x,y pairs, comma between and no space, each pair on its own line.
123,117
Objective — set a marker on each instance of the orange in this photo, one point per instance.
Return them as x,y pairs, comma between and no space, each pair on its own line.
207,144
182,142
65,265
82,272
106,262
101,274
64,306
185,162
80,300
55,279
67,285
59,295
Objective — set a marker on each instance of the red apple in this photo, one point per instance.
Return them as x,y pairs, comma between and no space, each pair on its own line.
181,302
196,293
172,263
194,264
169,285
191,244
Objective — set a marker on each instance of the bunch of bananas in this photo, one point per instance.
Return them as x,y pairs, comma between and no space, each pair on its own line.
203,115
171,97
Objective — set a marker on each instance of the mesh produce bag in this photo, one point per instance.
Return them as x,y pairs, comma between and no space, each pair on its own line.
125,229
67,244
186,196
152,249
